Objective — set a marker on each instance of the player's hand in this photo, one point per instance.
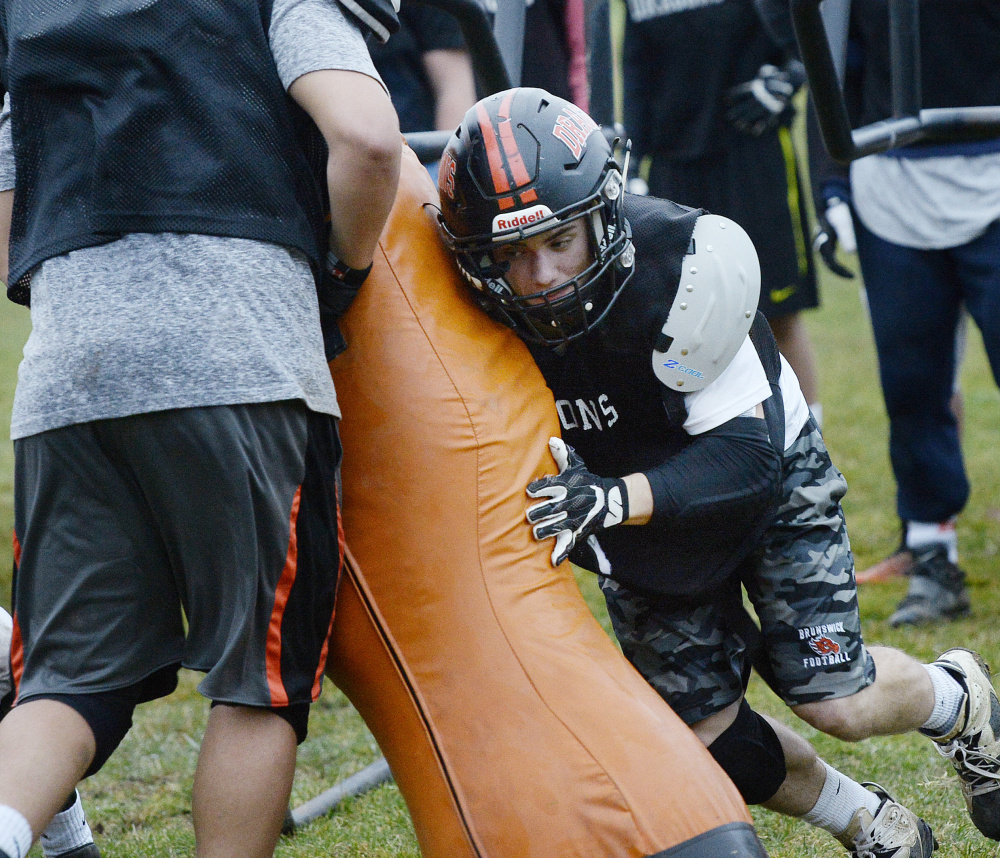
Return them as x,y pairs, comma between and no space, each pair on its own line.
578,503
764,102
835,227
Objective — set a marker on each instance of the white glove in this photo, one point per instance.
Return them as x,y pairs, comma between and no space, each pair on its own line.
637,185
838,213
834,228
578,503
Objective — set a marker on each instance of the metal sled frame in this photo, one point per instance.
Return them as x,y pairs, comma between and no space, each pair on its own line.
815,31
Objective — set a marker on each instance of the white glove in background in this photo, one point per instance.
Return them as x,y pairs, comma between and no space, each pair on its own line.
838,213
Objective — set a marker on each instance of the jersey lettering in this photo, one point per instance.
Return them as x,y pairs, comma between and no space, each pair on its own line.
608,410
566,415
587,414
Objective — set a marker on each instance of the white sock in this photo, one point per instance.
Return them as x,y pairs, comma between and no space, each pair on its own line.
15,833
921,533
949,695
817,412
840,799
67,830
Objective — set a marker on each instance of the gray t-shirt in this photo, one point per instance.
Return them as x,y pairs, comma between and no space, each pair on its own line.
927,203
166,320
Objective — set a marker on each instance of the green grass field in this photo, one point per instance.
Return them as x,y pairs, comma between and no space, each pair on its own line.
139,804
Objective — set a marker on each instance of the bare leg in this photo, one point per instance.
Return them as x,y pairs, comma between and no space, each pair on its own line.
242,783
900,700
801,787
45,747
796,345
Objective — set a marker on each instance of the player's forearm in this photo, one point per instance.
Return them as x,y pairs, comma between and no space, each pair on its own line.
362,183
357,120
640,499
6,211
733,466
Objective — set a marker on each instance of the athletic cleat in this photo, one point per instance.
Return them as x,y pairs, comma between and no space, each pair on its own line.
937,589
894,831
973,744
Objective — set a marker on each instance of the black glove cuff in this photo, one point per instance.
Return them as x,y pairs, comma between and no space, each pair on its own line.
341,272
624,490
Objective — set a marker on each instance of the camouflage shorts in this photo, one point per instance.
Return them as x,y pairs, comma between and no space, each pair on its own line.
803,592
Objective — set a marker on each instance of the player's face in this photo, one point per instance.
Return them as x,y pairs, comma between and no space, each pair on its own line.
547,259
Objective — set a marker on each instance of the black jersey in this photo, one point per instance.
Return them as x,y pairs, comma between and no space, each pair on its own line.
621,419
679,64
611,405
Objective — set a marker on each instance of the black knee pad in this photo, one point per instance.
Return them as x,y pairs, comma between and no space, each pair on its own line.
297,715
109,713
750,753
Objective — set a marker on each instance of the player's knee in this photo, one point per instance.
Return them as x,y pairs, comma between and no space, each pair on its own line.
838,718
109,713
751,754
296,715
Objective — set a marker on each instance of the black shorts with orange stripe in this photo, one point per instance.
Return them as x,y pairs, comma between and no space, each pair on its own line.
203,537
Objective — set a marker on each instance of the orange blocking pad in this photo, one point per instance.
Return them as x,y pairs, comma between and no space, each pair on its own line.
513,725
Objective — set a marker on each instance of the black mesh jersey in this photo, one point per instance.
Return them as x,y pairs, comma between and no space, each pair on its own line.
153,116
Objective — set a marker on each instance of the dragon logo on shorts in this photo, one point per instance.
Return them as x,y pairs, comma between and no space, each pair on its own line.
824,646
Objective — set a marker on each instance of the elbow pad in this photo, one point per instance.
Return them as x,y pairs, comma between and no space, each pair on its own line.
714,499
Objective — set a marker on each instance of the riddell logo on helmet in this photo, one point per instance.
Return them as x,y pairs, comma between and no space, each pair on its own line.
525,217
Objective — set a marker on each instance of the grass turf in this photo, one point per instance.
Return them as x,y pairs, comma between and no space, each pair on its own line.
139,804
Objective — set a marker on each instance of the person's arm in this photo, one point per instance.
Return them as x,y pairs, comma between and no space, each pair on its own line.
6,213
358,123
731,473
777,19
449,71
7,177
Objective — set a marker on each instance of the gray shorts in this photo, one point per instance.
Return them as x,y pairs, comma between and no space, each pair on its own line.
202,537
802,588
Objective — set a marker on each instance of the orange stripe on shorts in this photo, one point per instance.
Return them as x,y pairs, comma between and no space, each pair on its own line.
279,696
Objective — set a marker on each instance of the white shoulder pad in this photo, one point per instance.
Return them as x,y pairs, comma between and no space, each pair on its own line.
714,308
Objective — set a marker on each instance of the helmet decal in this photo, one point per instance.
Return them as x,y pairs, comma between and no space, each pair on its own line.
573,127
506,164
525,217
446,174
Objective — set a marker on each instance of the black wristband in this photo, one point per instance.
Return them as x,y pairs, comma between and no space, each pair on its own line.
342,272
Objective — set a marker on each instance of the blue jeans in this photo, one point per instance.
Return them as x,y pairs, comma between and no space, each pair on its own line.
916,299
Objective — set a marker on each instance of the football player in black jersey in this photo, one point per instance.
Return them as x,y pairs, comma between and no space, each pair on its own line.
641,315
